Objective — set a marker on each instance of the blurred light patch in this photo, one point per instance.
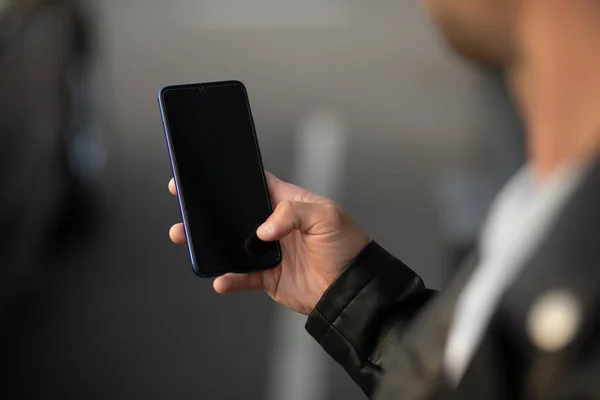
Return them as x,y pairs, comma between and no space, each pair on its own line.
299,367
321,146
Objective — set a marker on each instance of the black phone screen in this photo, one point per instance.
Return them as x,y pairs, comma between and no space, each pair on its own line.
215,156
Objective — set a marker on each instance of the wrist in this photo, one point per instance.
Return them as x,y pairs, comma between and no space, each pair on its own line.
328,279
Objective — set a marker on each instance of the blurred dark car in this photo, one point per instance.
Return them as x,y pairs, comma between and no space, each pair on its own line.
43,194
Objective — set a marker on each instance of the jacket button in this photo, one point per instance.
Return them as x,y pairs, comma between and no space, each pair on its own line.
554,320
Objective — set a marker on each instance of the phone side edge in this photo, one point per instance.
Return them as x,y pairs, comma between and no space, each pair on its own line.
175,172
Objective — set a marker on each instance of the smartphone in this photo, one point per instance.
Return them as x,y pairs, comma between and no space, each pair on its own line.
220,180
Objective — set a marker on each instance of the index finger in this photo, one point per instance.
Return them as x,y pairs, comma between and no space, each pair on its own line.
172,187
281,191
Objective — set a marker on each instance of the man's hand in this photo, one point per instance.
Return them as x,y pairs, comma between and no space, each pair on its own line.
318,241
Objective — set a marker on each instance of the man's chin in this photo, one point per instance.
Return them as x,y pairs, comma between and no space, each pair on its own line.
483,57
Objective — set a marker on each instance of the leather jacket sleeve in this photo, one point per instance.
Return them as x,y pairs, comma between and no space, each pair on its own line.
376,293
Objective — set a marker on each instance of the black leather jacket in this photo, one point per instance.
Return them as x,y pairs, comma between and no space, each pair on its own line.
375,297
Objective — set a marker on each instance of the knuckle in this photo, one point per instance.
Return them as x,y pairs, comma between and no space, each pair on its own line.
285,209
333,214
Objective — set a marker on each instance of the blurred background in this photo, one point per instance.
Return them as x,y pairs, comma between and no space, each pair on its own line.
357,100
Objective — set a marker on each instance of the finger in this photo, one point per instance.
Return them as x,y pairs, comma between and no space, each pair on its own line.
282,191
177,234
232,283
289,216
172,187
277,189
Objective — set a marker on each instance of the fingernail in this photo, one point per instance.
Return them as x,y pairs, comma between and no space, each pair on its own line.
265,229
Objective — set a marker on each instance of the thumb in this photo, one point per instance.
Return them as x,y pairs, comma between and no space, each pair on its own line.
289,216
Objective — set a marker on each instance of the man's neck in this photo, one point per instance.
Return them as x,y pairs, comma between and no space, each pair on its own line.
556,80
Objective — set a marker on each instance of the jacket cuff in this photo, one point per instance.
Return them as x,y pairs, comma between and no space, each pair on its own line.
348,319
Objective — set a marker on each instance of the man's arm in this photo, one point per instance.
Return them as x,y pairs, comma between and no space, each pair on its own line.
370,296
375,295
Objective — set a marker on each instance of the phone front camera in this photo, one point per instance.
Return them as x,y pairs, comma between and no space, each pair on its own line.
203,88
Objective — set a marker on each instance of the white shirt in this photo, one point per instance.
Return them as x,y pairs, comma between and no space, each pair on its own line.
518,221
